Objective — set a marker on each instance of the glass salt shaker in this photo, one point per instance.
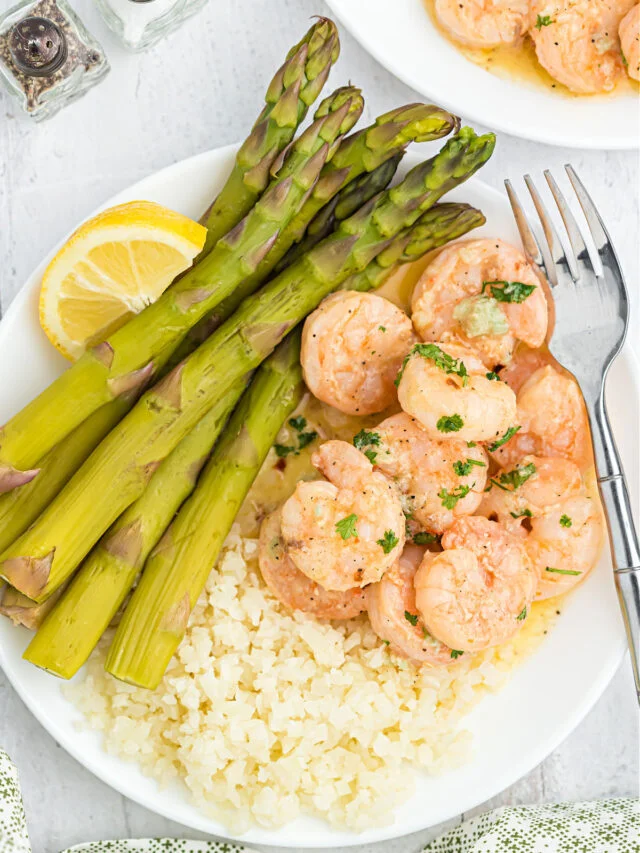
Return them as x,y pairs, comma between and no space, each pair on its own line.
141,23
47,56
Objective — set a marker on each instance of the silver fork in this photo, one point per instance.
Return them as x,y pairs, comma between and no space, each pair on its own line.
591,319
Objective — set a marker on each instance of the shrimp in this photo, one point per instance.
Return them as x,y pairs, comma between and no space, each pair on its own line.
391,604
564,544
577,42
525,361
477,592
543,483
295,590
629,32
348,531
451,397
462,295
484,23
352,347
553,421
438,480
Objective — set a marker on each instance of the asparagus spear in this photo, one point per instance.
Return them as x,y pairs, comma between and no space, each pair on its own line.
439,225
23,611
124,361
74,626
118,470
296,85
176,572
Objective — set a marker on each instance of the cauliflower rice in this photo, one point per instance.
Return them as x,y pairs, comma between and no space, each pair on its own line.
264,714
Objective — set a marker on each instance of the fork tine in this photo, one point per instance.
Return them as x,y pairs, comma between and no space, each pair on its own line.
556,249
529,241
573,230
596,225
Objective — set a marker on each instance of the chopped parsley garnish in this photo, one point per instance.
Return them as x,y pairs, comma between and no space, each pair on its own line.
525,512
505,438
543,21
515,478
565,521
562,571
388,542
382,328
365,438
522,615
463,469
509,291
411,617
450,499
346,527
440,358
304,438
472,444
493,377
450,423
456,653
386,642
424,538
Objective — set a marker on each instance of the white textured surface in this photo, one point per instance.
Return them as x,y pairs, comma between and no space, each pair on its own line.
200,89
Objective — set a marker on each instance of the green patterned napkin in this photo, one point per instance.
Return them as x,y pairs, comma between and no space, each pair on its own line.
610,826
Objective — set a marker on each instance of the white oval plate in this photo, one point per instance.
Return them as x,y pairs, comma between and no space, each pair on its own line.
403,38
514,730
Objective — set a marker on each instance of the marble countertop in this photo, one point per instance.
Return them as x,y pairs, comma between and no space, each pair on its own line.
195,91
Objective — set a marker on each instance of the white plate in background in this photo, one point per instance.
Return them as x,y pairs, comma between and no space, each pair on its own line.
514,730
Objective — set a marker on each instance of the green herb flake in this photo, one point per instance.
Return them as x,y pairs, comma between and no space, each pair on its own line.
450,423
472,444
562,571
450,499
386,642
388,542
515,478
364,439
305,438
509,291
456,653
283,450
424,538
411,617
463,469
525,512
522,615
492,377
543,21
565,521
440,358
382,328
505,438
346,527
298,423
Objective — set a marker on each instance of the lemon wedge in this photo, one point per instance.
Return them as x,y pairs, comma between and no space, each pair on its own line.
111,268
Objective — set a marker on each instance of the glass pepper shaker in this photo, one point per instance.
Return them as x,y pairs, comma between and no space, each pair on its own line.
47,57
141,23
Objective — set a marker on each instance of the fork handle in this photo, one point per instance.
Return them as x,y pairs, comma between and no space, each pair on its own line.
623,537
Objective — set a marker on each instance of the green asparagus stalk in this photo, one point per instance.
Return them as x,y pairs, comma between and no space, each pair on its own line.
156,618
294,88
125,360
74,626
118,470
344,204
23,611
439,225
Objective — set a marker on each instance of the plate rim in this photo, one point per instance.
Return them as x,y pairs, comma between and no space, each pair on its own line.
348,838
628,142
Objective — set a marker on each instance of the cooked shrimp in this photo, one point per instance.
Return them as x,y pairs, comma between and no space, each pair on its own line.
452,398
295,590
352,347
348,531
630,41
564,544
438,480
484,23
544,483
577,42
391,604
524,363
553,421
478,591
462,296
